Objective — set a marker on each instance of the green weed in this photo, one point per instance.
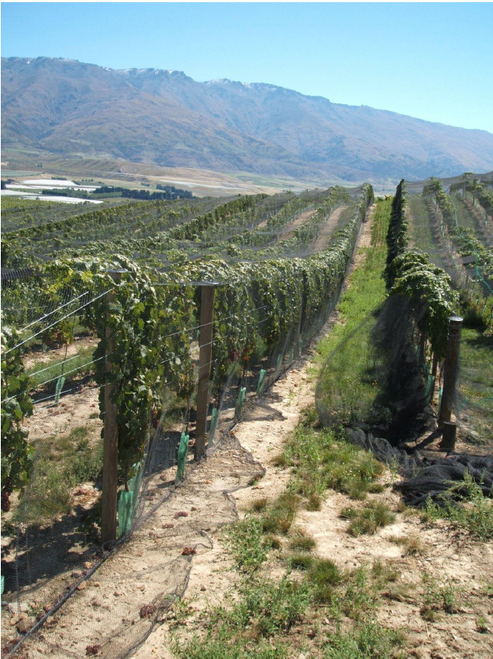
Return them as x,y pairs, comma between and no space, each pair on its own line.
314,502
300,541
322,460
246,543
471,511
368,640
278,517
438,596
369,519
62,463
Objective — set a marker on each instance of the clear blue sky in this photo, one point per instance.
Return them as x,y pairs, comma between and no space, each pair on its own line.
433,61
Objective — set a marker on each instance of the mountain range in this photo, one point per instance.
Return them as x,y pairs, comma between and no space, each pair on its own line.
164,117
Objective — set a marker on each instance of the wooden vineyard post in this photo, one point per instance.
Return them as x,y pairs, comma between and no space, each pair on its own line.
451,368
205,358
110,441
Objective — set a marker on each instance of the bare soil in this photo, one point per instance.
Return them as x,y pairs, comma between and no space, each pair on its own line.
328,229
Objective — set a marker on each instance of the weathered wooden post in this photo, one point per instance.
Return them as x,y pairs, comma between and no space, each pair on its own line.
205,359
451,369
110,436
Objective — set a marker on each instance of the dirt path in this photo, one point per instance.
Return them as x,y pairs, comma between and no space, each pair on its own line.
289,229
328,229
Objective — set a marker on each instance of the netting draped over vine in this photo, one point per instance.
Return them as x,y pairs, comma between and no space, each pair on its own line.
265,315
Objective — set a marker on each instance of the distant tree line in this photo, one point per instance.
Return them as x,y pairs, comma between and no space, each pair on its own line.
169,192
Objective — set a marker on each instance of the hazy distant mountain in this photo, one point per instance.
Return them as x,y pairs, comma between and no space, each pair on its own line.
165,117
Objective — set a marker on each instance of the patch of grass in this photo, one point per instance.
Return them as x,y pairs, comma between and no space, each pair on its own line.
360,596
369,519
52,370
471,510
349,388
61,463
272,541
300,541
259,505
324,576
309,417
412,544
265,608
368,640
279,516
246,543
438,596
375,488
300,561
228,648
383,574
322,460
279,460
482,625
314,502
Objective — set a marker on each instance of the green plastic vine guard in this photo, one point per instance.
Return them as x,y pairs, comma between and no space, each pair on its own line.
127,502
182,456
213,426
59,386
279,363
261,382
240,402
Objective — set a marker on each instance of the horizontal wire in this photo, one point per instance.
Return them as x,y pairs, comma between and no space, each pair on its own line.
65,361
52,312
45,329
67,373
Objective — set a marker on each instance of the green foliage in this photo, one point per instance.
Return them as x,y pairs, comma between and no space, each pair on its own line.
369,640
300,541
368,519
466,506
16,405
247,545
429,288
438,596
254,311
322,460
62,463
279,516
